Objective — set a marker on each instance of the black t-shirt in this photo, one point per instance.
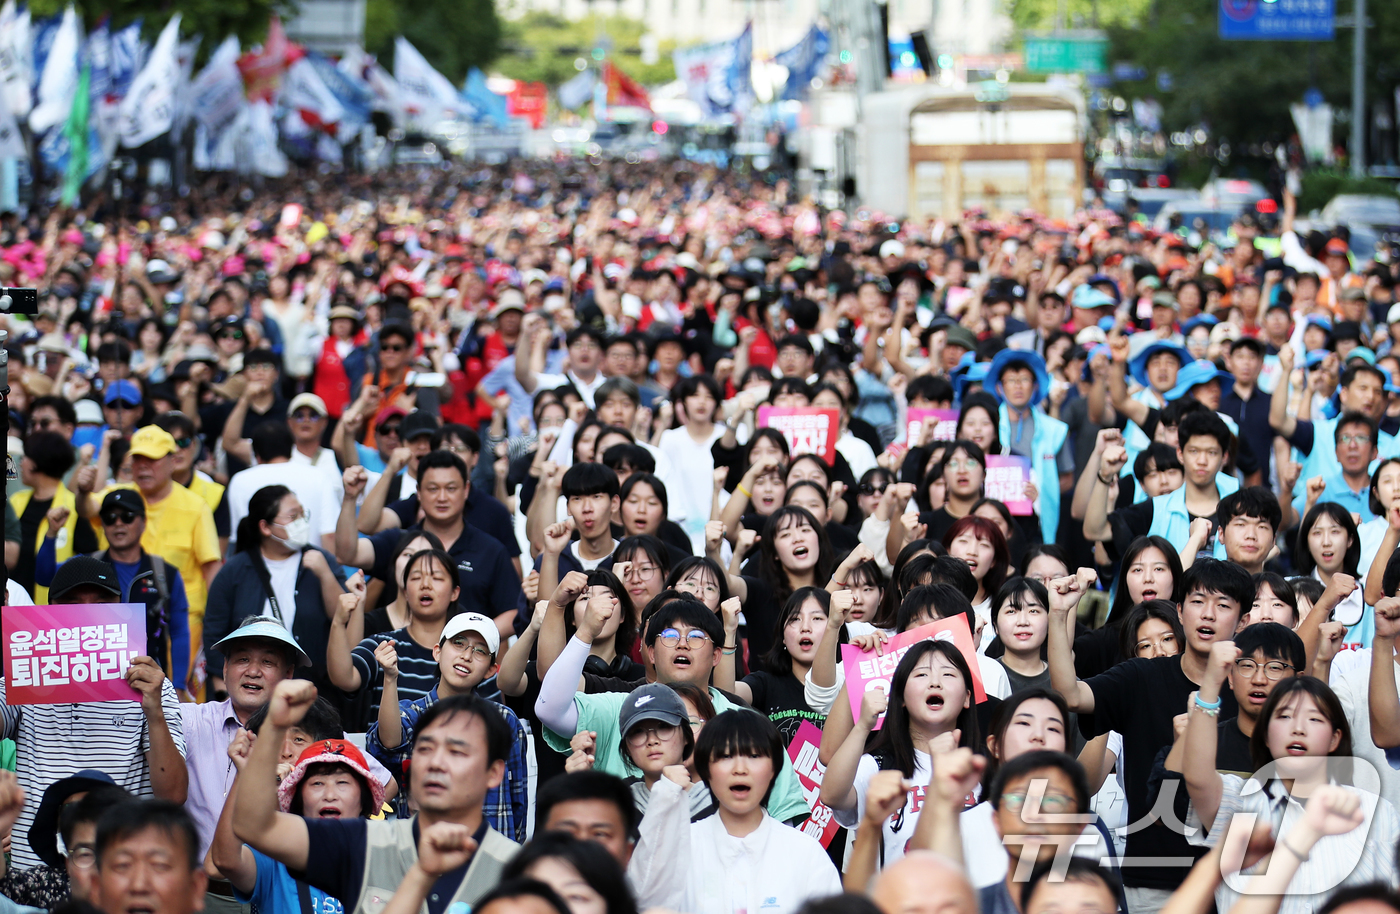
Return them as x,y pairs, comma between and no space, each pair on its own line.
1097,651
937,523
760,615
842,538
84,540
673,535
1232,755
1139,698
782,699
213,418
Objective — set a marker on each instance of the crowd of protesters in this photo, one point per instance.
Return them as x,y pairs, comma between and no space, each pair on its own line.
478,576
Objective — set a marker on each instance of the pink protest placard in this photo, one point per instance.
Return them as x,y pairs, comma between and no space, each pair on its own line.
71,653
803,751
945,419
865,670
1006,482
808,430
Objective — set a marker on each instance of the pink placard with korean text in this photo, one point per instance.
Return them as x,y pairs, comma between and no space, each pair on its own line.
1006,482
803,751
808,430
71,653
945,420
865,670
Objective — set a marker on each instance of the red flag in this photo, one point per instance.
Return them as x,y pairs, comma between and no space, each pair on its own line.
262,69
622,90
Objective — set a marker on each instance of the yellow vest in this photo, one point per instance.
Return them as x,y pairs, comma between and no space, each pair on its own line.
207,489
63,544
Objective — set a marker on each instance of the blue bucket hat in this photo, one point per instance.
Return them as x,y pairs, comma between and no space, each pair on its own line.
1194,374
1364,354
1027,357
264,628
974,373
1138,366
1200,320
1088,297
1315,357
1085,373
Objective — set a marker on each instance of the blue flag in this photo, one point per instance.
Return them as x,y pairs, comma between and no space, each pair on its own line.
127,53
804,61
740,75
487,105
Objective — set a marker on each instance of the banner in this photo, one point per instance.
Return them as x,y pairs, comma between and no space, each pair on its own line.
128,55
76,132
739,77
71,653
16,63
622,89
216,94
803,750
59,79
945,419
262,69
425,94
705,71
497,108
304,92
527,101
578,91
866,671
1006,482
804,61
148,111
808,430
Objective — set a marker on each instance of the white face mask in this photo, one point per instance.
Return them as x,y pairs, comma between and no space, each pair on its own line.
298,533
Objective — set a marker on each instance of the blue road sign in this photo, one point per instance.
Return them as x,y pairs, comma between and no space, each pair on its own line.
1276,20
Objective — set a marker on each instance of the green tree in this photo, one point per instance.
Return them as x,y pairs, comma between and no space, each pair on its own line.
542,47
454,35
214,19
1043,15
1243,89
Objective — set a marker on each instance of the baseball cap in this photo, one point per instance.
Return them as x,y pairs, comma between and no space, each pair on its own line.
262,628
83,571
652,701
1393,317
122,390
417,423
1337,246
1165,300
311,401
88,413
129,499
153,442
473,622
508,299
892,248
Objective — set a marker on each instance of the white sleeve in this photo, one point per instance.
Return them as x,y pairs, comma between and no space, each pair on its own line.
660,867
555,705
563,452
872,533
994,680
821,698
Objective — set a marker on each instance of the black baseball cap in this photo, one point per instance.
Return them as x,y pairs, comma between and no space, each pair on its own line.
128,499
83,571
417,423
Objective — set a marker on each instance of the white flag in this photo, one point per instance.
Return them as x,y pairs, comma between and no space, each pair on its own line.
149,108
16,64
425,95
59,81
260,154
216,94
306,94
11,142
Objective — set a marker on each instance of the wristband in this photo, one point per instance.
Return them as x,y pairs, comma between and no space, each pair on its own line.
1107,482
739,487
1207,705
1302,858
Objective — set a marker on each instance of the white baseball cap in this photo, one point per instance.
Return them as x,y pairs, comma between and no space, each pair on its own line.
473,622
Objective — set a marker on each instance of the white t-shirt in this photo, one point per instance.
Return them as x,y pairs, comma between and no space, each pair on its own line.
16,595
307,483
1351,680
325,462
589,564
693,475
899,828
284,584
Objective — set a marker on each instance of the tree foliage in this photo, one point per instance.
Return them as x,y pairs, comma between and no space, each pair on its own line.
1243,89
454,35
542,47
214,19
1043,15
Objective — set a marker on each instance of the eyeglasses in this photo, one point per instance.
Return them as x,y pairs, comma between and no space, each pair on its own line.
967,464
122,403
392,347
183,443
695,639
641,735
119,515
476,650
1354,439
641,573
305,415
1051,802
1274,670
84,856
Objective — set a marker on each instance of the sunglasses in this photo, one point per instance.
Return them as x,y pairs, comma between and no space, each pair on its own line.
868,489
387,347
121,403
306,415
122,515
388,430
183,443
231,335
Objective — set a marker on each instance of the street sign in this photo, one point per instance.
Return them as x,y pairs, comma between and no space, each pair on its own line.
1058,54
1277,20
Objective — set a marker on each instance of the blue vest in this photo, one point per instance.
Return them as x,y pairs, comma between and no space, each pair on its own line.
1323,459
1171,520
1135,440
1046,441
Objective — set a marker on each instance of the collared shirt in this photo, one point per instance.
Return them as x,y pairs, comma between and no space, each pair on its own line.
1338,491
56,741
488,580
209,729
506,805
1364,854
1252,416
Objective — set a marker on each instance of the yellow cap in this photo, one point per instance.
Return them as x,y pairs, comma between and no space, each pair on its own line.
152,442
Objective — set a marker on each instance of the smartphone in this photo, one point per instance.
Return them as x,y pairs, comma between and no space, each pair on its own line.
429,379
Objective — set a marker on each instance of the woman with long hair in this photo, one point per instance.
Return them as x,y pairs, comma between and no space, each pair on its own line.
1150,570
391,605
792,553
643,509
1328,544
962,473
645,564
979,542
276,571
978,421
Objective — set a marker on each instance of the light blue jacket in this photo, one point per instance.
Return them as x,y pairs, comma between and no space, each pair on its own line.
1323,459
1170,518
1046,441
